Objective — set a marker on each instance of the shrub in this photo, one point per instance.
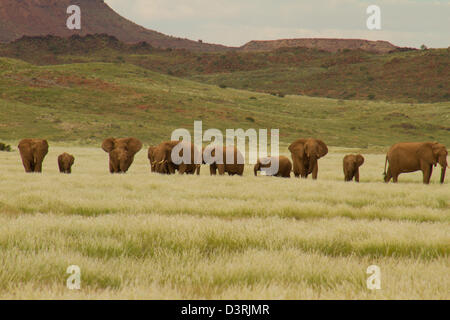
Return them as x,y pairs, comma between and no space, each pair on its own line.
223,86
5,147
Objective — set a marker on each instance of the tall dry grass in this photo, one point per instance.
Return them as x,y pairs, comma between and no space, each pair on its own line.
142,235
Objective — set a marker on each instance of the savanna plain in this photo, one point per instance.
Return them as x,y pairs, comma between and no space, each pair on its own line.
146,236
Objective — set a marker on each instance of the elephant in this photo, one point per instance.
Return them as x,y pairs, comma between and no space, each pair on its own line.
352,162
305,154
414,156
232,167
33,152
161,157
121,153
284,166
151,157
65,163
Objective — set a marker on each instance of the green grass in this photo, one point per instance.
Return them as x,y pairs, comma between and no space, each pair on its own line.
84,103
142,235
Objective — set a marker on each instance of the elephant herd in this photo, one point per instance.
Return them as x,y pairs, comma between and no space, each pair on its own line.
305,153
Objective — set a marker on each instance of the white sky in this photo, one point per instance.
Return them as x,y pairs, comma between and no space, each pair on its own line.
234,22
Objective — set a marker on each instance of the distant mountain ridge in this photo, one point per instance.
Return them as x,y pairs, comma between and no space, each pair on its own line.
20,18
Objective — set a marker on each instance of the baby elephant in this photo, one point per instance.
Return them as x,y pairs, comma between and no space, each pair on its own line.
351,166
65,163
284,167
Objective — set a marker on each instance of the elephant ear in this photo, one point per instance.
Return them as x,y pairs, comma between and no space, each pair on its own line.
437,148
425,152
151,152
298,147
133,145
359,160
108,145
322,149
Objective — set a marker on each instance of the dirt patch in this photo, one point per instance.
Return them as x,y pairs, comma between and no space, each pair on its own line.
396,115
407,126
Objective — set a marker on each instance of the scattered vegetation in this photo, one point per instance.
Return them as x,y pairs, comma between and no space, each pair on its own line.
401,75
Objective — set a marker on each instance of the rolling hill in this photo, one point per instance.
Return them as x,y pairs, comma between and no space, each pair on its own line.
83,103
414,76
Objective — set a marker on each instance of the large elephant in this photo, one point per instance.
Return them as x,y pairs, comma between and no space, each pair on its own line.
33,152
164,164
351,164
414,156
121,153
284,166
305,155
65,163
230,161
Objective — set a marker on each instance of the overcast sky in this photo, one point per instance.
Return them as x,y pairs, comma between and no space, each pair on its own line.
234,22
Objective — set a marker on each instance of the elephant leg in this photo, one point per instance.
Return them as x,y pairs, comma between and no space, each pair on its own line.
112,168
427,171
357,175
38,166
182,169
221,168
298,167
28,165
171,168
213,170
395,177
315,171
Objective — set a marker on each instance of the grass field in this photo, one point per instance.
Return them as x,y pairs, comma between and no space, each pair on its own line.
142,235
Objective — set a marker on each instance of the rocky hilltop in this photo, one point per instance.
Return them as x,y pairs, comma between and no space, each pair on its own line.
330,45
48,17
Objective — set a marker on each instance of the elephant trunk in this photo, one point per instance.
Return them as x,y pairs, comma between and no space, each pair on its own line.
312,163
256,169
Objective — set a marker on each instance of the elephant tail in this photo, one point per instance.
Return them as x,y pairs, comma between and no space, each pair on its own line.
385,167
